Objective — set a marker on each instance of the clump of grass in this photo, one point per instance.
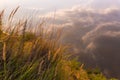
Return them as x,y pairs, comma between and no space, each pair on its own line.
27,55
35,55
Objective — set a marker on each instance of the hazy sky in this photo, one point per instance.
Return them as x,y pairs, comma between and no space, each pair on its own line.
51,5
42,4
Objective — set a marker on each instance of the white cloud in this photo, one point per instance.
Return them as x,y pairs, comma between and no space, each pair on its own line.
101,4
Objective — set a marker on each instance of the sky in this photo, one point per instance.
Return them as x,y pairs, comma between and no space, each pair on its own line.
51,5
91,26
41,4
47,6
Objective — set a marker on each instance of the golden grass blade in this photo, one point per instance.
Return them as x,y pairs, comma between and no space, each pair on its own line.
4,51
13,13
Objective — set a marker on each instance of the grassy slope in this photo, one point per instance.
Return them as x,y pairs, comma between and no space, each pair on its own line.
26,56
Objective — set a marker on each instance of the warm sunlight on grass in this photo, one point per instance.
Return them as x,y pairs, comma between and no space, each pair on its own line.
37,55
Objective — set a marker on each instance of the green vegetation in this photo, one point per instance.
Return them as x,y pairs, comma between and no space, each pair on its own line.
37,55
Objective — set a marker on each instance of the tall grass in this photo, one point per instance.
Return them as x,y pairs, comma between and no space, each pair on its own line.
35,55
26,58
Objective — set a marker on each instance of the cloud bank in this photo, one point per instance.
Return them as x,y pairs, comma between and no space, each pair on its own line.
94,35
